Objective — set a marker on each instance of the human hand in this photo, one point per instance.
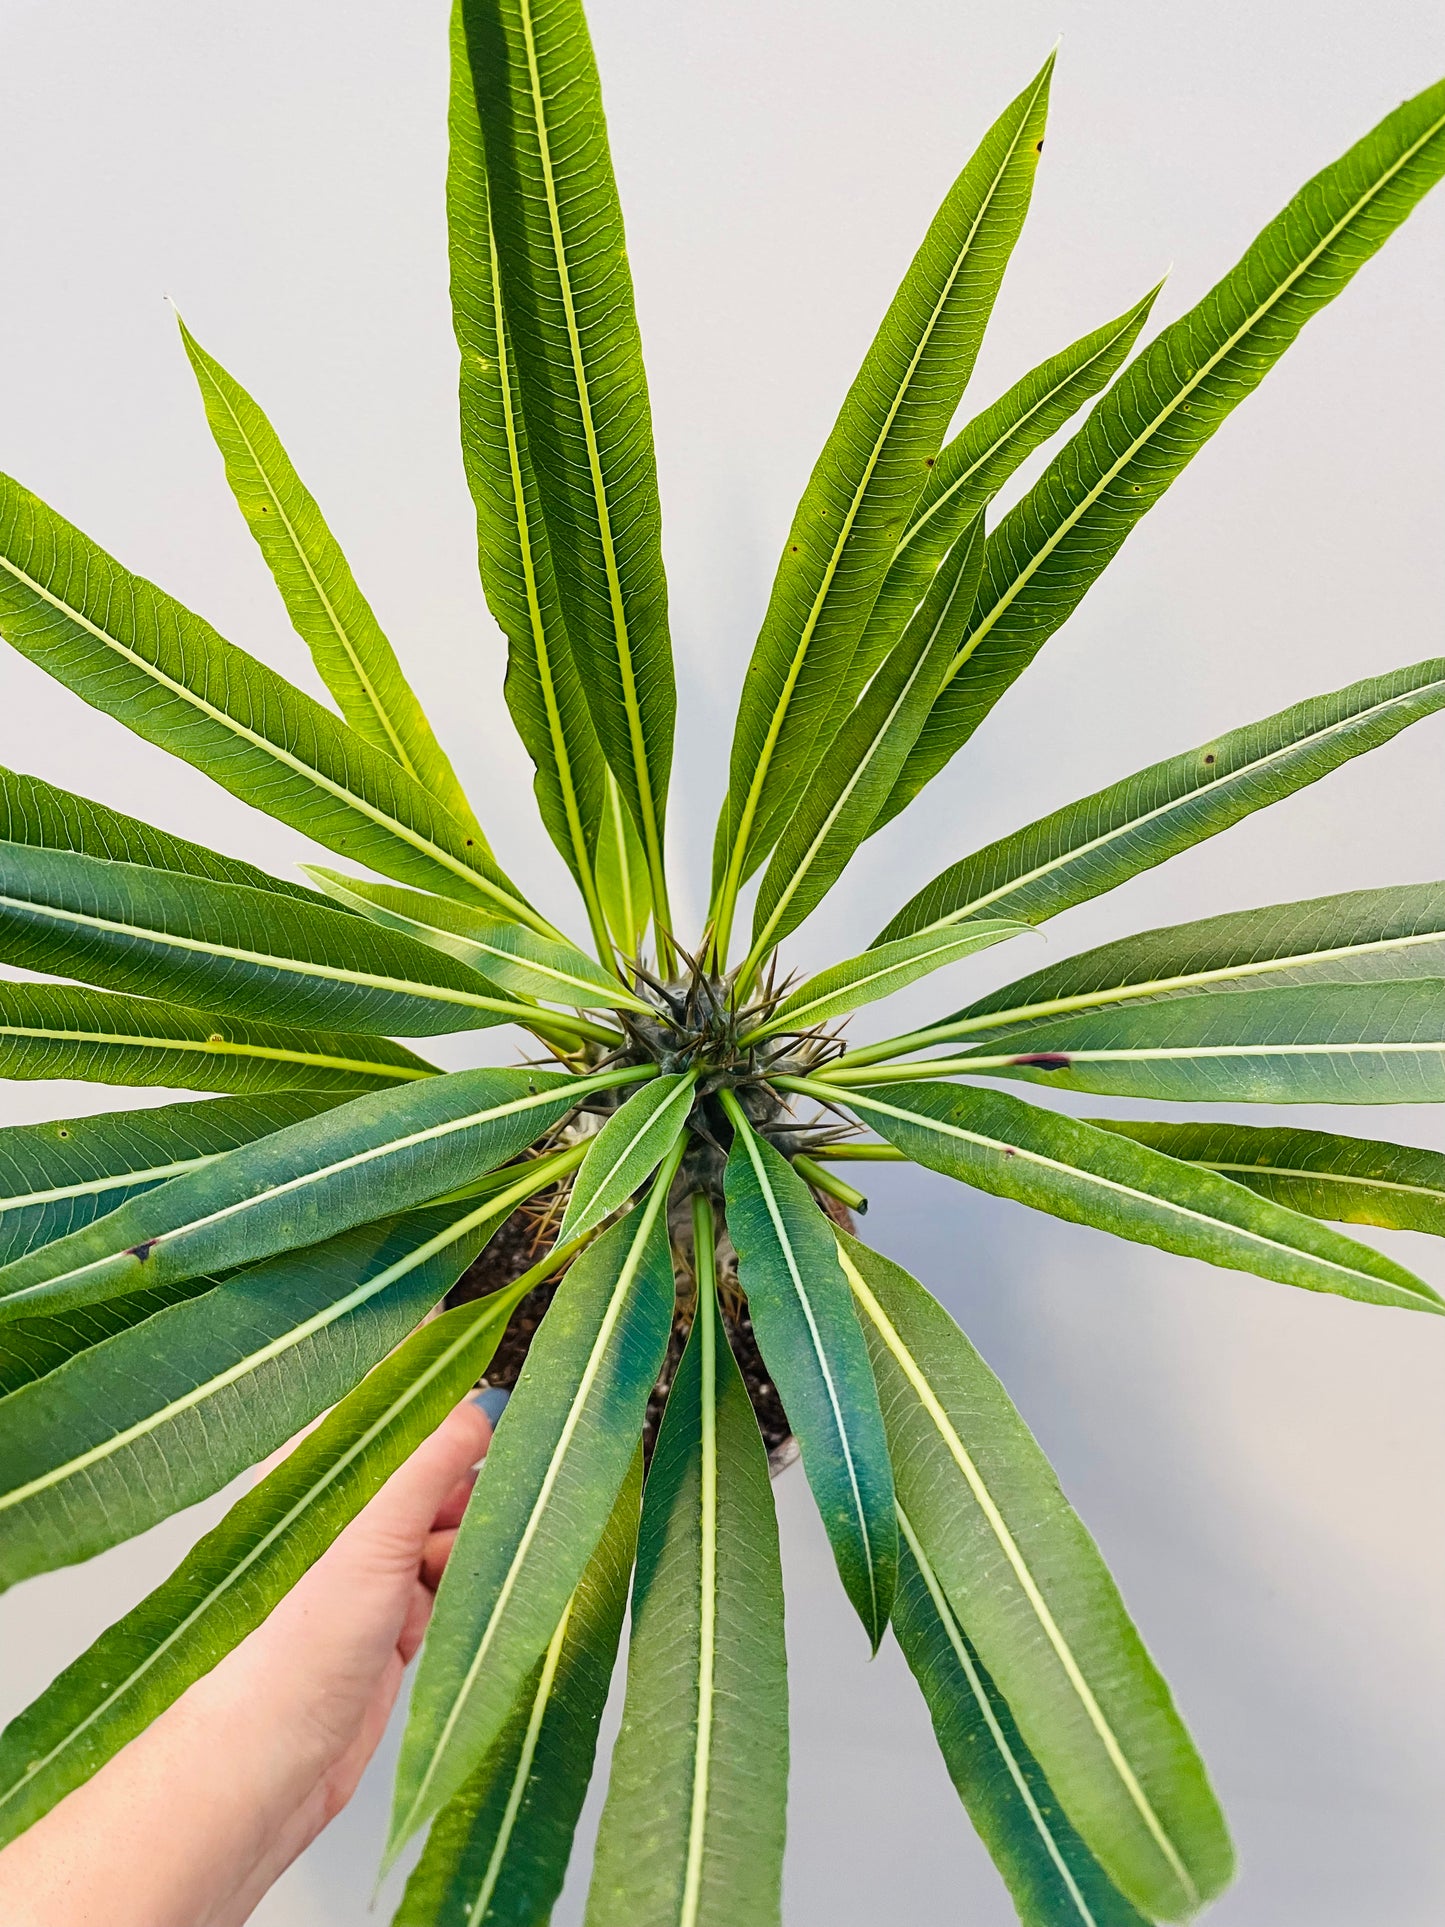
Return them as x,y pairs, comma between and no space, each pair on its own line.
190,1824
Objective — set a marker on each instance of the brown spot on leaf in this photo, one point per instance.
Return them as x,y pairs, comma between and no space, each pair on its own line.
143,1250
1045,1060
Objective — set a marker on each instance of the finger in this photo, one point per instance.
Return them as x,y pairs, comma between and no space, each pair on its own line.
391,1531
449,1512
434,1558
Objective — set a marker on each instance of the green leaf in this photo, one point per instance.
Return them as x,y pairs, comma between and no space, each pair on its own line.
55,1030
809,1338
1018,1568
57,1177
628,1149
135,653
232,949
1331,1044
364,1160
517,959
856,770
1368,936
1349,1179
327,609
866,482
497,1852
1164,407
543,690
1096,844
622,884
37,813
561,261
35,1346
541,1501
692,1831
166,1413
974,466
1074,1170
1049,1872
233,1577
878,973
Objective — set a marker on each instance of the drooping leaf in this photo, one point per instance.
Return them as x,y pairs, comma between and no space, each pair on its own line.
1360,936
622,882
1164,407
1017,1566
857,768
1332,1044
878,973
1101,841
57,1177
233,1577
1348,1179
542,1499
692,1832
543,690
628,1149
327,609
364,1160
518,960
866,481
974,466
808,1334
1074,1170
561,262
166,1413
134,652
1049,1872
56,1030
497,1851
48,818
232,949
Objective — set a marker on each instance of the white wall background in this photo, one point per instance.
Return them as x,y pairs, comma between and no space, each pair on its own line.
1263,1468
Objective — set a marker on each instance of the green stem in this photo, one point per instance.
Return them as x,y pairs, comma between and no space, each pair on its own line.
848,1153
857,1076
821,1180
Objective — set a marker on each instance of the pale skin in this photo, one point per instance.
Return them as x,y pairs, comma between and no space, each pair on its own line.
190,1824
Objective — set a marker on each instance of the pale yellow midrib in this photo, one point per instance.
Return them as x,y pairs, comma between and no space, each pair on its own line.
392,1147
598,1187
647,1217
112,1181
817,1005
922,1121
216,1046
706,1631
1047,548
990,1718
770,741
1306,1176
338,627
1012,1552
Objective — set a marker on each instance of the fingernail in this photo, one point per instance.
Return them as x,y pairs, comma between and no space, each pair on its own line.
493,1400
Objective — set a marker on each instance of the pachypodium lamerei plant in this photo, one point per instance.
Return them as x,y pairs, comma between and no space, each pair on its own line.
185,1288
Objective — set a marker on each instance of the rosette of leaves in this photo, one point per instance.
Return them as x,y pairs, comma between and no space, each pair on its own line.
185,1288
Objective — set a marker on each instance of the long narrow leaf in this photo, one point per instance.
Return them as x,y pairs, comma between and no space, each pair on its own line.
1046,552
543,690
541,1502
134,652
1074,1170
163,1415
561,261
497,1852
857,769
1018,1568
974,466
1336,1044
57,1177
1348,1179
36,1346
232,949
230,1581
1049,1872
518,960
327,609
809,1338
364,1160
628,1149
1096,844
54,1030
866,481
692,1832
622,883
878,973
